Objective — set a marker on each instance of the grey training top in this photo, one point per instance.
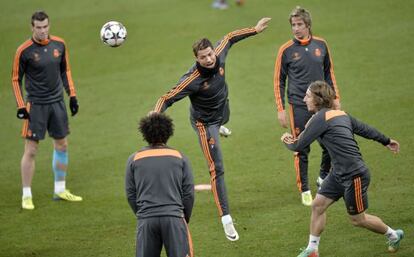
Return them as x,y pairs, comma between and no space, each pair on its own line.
301,63
335,130
159,182
46,71
208,92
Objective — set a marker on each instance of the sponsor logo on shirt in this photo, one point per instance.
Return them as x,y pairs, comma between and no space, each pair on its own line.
205,86
36,57
296,56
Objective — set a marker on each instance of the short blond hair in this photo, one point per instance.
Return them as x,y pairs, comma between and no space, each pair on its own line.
302,13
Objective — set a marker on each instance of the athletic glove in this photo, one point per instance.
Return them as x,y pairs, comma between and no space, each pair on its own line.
23,114
73,105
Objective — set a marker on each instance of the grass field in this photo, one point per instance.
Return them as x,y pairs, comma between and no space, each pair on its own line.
371,47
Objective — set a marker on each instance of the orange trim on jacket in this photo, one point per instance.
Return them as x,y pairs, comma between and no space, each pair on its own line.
331,70
15,73
276,77
157,153
72,91
176,90
333,113
231,35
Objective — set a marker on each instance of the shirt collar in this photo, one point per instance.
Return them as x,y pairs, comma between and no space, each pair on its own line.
303,42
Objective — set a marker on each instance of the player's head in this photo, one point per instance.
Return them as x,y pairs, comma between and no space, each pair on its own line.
300,22
319,95
40,26
156,128
204,53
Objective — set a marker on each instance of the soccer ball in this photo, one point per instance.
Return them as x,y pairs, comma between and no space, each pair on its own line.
113,33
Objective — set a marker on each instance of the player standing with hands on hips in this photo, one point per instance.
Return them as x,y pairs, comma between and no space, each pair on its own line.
350,177
302,60
206,87
160,191
43,62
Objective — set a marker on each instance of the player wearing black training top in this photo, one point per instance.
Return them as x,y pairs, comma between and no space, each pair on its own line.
349,177
206,87
160,191
43,63
300,61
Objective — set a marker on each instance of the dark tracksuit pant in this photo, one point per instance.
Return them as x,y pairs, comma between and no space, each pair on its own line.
299,116
172,232
209,139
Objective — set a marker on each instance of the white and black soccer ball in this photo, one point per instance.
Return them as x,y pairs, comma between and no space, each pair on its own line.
113,33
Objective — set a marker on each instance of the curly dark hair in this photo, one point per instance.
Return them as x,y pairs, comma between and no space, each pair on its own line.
156,128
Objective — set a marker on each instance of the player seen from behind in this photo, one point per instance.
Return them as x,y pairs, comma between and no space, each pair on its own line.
160,191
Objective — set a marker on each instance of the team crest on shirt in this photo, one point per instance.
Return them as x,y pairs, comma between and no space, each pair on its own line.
56,53
221,70
36,57
205,86
318,52
296,56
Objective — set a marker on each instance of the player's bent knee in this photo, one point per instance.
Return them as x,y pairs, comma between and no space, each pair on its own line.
357,220
318,206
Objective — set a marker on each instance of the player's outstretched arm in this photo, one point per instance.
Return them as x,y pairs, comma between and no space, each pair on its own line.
262,24
394,146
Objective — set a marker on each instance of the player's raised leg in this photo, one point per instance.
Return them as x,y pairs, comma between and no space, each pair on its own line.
210,145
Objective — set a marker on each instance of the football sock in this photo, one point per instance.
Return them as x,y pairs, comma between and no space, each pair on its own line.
313,242
60,186
60,163
391,234
226,219
27,192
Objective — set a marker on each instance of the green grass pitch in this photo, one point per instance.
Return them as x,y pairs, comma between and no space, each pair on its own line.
371,45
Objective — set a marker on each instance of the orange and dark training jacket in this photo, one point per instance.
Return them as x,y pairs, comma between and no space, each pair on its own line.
45,69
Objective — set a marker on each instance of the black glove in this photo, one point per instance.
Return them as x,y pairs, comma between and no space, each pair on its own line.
23,114
73,105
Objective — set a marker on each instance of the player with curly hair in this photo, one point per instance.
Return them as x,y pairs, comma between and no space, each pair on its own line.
160,191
